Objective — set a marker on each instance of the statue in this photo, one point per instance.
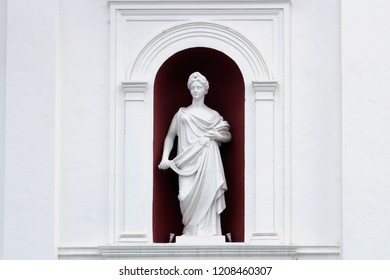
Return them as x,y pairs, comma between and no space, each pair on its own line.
198,163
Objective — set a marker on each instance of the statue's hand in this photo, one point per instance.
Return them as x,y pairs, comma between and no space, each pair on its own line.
217,136
204,141
164,165
213,135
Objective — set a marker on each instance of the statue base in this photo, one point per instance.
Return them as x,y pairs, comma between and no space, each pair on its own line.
200,240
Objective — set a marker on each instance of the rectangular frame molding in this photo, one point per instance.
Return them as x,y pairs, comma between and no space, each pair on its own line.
266,78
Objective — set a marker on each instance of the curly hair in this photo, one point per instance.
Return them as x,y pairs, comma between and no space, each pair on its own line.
197,77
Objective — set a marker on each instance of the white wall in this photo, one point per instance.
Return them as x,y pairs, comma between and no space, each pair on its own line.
366,129
315,122
85,69
317,214
30,123
3,52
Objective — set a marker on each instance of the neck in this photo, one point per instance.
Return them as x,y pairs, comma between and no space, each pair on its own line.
198,103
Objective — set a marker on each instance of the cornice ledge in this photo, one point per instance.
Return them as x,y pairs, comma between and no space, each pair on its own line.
227,251
194,1
265,83
134,86
261,86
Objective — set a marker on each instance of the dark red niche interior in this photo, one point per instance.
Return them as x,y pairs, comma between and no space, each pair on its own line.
226,95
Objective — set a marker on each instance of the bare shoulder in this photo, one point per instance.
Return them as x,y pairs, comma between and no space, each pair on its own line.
178,113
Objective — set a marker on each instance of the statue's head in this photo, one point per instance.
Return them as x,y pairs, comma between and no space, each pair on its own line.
197,77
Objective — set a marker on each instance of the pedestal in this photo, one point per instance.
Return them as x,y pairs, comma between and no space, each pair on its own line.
200,240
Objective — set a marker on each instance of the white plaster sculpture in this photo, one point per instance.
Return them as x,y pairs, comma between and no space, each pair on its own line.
198,163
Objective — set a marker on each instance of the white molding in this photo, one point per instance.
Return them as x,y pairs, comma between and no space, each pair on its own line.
183,13
133,238
135,62
229,251
134,86
197,2
131,197
79,253
134,90
264,90
264,86
200,34
265,219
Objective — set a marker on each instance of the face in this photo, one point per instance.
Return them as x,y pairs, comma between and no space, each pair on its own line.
197,90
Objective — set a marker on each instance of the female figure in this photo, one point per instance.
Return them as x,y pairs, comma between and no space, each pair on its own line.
198,163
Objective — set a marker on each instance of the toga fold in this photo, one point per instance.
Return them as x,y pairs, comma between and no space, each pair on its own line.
202,180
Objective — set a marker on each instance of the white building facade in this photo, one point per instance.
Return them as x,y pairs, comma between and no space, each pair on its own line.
78,126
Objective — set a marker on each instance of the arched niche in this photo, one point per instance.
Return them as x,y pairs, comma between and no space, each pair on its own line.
227,96
136,151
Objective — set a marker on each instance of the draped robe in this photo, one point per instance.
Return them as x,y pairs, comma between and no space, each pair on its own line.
202,180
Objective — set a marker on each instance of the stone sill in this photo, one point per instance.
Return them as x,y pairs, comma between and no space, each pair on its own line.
225,251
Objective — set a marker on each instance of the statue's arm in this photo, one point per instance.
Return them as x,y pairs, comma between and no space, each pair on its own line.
168,144
222,137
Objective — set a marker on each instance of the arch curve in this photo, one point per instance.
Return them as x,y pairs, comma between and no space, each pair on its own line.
200,34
